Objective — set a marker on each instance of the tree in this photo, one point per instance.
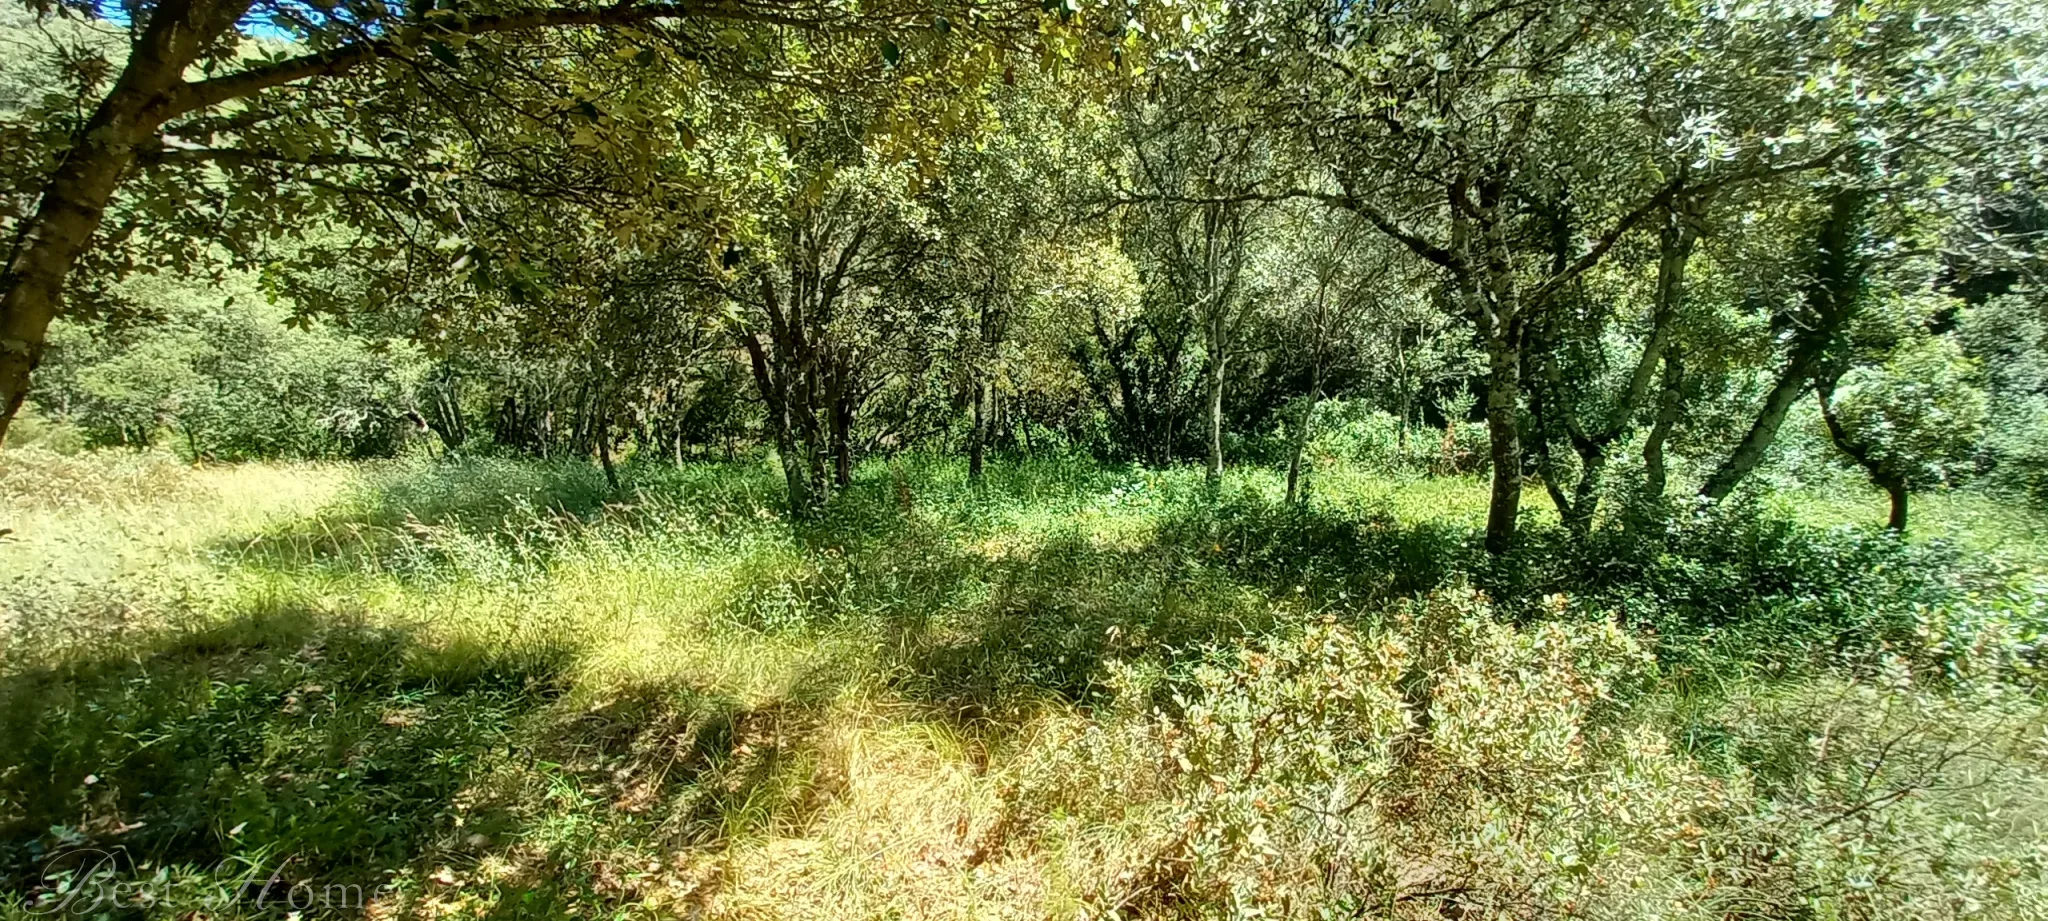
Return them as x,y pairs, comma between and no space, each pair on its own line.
1831,297
845,226
1932,102
152,117
1433,122
998,194
1912,423
2008,338
1341,317
228,378
1194,226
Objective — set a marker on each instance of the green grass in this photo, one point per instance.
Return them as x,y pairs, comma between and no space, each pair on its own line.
495,688
2007,527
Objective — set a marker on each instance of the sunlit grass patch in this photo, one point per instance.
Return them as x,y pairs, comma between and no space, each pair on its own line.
2007,527
106,544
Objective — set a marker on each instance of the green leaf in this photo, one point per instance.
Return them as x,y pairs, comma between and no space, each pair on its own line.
443,53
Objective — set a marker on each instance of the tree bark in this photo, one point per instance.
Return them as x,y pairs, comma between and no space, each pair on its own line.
1592,440
977,440
794,458
444,412
1749,452
842,442
1887,478
839,405
1214,474
988,333
1301,432
1504,437
1669,403
604,457
1407,396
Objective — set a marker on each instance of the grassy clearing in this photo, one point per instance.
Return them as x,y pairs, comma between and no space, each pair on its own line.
491,688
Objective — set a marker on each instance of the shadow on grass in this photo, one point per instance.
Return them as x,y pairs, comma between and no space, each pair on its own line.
302,745
1045,625
981,632
1332,559
221,769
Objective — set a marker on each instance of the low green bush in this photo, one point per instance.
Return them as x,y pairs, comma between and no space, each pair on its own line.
1448,764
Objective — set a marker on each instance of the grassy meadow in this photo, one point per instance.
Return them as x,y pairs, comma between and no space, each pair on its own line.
495,688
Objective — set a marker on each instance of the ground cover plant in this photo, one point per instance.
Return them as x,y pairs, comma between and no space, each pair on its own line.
491,687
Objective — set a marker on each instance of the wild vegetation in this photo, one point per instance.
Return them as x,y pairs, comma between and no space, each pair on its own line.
1088,458
494,686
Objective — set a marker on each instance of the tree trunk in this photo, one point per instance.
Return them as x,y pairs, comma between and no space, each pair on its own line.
1833,298
1592,439
1546,462
1301,432
795,441
1882,474
1406,395
842,439
444,412
814,440
604,457
1669,403
977,440
1504,438
1214,475
75,197
1749,452
809,465
796,476
1586,495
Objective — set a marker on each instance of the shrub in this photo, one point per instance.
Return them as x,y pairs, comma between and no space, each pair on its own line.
2017,447
230,379
1353,431
1326,554
1448,764
1445,762
2008,335
1737,579
32,429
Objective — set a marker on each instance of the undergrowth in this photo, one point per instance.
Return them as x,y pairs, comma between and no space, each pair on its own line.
497,688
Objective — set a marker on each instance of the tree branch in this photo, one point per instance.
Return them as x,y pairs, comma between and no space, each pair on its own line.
335,61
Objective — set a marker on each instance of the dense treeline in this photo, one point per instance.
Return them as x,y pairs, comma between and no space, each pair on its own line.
1630,242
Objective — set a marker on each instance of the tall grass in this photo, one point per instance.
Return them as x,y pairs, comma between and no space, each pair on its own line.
495,687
